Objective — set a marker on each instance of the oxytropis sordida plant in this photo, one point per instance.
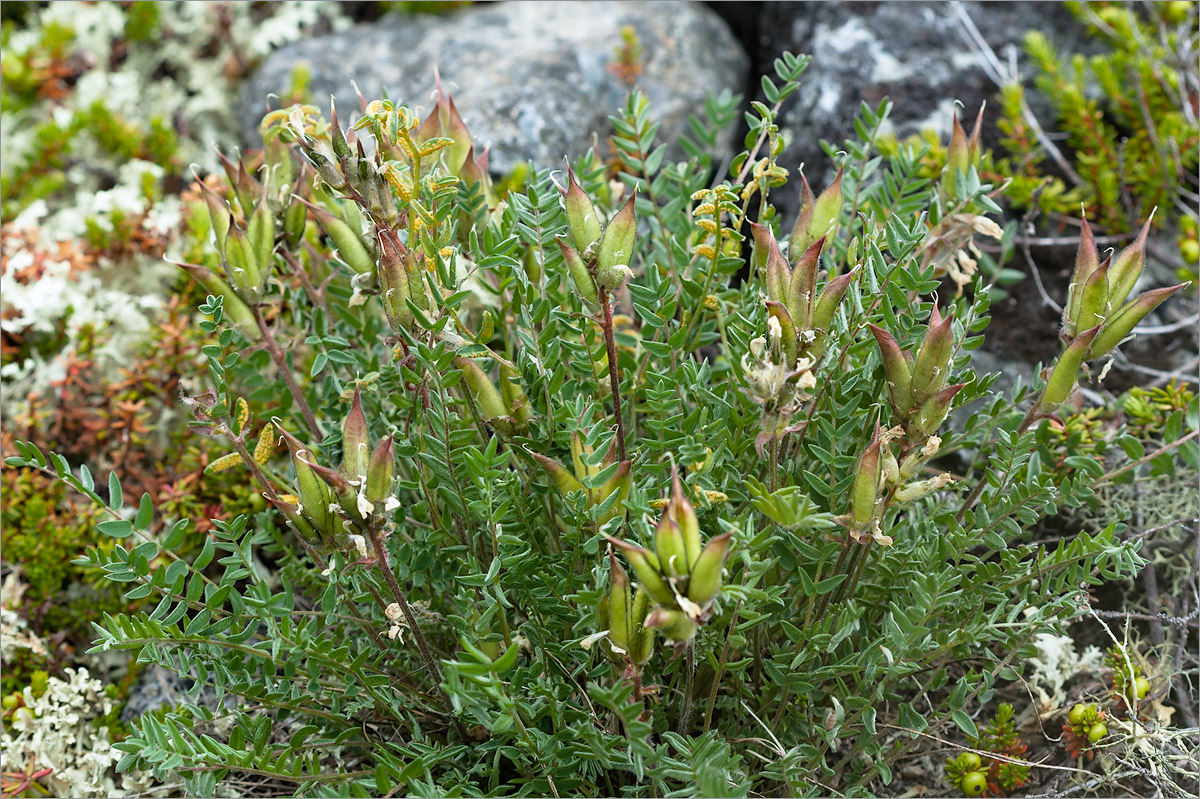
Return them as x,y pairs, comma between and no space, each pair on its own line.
605,482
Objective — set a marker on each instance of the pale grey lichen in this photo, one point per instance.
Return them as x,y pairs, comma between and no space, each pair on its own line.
56,731
174,83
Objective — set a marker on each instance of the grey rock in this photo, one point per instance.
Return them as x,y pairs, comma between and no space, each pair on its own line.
531,78
157,687
915,53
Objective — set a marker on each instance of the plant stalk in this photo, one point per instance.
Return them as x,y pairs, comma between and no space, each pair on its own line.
614,380
281,363
373,532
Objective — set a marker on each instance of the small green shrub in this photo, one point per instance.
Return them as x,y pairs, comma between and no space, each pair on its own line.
811,575
1127,114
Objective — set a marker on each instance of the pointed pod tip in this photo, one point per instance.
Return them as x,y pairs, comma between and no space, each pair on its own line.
616,571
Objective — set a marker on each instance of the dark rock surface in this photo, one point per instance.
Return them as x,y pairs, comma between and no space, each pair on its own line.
915,53
531,78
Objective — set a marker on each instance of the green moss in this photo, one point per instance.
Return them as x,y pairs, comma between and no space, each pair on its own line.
39,681
142,21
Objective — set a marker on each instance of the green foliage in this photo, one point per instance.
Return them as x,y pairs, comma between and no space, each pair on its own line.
41,172
427,625
974,773
44,530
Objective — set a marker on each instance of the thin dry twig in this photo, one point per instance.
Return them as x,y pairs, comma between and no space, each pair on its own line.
1002,77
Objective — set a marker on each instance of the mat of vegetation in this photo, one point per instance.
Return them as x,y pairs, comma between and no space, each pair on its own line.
348,468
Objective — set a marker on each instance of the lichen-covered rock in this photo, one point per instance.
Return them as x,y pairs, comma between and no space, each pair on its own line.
531,78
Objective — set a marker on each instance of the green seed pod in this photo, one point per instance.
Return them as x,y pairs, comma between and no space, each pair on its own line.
514,396
621,482
306,531
974,149
219,215
356,441
393,281
533,267
866,484
294,220
818,218
473,172
1126,270
236,310
796,239
315,496
443,123
619,605
641,642
958,159
1087,261
349,247
803,286
241,265
706,573
776,272
830,299
341,490
616,246
414,265
1122,323
933,411
340,148
581,214
896,370
969,761
261,231
487,398
1097,732
1078,713
329,172
245,188
768,262
787,337
682,512
931,367
584,283
645,565
1093,299
578,451
675,625
1066,369
279,164
668,543
563,480
381,471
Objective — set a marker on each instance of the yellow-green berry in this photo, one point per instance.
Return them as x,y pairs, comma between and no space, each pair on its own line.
974,783
1176,11
1190,250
